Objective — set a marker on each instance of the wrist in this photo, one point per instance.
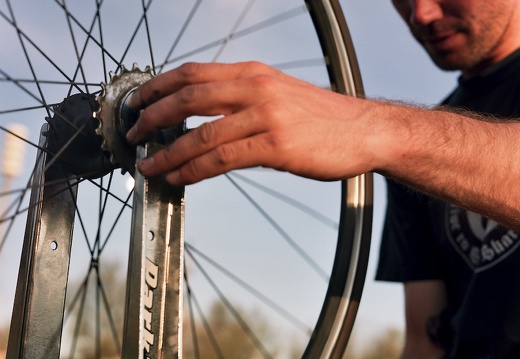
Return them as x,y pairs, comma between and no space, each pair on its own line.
390,136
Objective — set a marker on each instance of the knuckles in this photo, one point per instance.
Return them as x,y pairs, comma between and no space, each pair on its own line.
205,133
190,172
274,111
189,71
264,83
189,95
256,67
226,156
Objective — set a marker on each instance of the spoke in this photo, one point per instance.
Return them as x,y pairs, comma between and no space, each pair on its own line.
241,322
193,326
24,49
244,32
205,324
6,130
181,34
289,200
318,62
102,208
48,82
110,317
291,242
100,27
98,316
76,296
31,187
24,89
282,17
109,235
79,67
124,202
20,211
22,36
132,38
5,233
74,43
89,35
148,37
83,229
234,29
21,109
257,294
97,244
83,292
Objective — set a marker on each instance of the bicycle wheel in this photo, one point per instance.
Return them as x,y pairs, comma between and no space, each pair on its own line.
299,275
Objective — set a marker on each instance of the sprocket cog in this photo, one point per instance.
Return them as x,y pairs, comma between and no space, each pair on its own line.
115,116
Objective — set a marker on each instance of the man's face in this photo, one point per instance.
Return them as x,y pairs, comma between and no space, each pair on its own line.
465,35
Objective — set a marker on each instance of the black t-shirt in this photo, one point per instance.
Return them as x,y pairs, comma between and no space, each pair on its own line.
424,238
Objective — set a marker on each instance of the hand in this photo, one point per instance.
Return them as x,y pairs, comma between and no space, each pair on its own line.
267,119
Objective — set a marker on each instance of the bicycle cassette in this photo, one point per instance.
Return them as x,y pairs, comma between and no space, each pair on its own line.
115,116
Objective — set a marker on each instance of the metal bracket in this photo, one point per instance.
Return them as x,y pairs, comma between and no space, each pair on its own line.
153,318
37,319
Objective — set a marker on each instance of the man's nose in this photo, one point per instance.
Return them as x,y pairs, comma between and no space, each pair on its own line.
424,12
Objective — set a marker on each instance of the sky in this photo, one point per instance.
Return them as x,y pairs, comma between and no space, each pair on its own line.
392,66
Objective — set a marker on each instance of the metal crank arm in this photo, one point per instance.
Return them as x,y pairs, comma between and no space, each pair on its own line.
37,319
153,319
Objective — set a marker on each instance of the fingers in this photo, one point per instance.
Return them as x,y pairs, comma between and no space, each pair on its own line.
189,74
196,89
238,154
244,153
201,140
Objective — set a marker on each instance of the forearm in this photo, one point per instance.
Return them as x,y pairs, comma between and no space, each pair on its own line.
467,161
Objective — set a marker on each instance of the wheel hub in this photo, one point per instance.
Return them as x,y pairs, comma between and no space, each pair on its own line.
72,139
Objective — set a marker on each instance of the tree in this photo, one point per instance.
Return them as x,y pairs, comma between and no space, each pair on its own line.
95,322
222,335
387,346
216,331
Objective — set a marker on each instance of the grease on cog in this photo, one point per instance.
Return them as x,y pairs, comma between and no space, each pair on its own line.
116,118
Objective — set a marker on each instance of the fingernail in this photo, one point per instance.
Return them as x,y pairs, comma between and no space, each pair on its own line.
145,164
131,135
134,101
173,178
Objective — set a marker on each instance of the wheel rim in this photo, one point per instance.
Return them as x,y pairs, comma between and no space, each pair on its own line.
45,33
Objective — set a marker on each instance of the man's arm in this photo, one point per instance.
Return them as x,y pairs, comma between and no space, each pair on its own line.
423,301
468,161
270,119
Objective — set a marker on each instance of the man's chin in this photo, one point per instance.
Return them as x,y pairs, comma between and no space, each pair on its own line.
448,61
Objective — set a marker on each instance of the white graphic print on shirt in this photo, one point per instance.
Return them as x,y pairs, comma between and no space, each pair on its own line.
480,241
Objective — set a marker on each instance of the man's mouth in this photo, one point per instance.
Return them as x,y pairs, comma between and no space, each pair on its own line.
442,40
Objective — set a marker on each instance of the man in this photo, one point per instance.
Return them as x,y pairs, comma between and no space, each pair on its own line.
461,293
469,160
